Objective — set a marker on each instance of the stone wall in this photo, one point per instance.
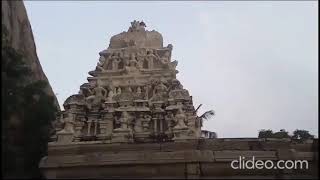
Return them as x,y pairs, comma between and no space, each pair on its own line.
203,158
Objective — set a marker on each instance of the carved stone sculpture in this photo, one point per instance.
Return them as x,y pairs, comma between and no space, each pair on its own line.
165,59
115,59
150,59
110,95
159,91
68,124
96,97
138,124
146,123
180,119
124,120
132,95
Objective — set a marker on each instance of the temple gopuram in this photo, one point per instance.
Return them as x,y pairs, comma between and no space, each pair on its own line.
134,119
132,96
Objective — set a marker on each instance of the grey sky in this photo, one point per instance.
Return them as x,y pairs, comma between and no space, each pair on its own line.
254,63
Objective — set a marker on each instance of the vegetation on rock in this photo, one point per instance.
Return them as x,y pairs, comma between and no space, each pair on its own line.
27,113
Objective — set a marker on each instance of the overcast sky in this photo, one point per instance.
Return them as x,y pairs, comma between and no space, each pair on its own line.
254,63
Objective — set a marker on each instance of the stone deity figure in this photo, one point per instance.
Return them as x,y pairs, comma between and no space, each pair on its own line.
118,90
139,93
97,95
159,91
151,57
138,90
102,60
165,59
137,26
132,64
180,119
177,91
140,57
124,120
176,84
138,124
101,63
169,118
110,95
146,122
134,25
161,87
141,26
126,58
115,61
68,124
146,90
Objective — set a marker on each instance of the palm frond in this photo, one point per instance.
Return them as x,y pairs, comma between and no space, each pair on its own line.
198,108
207,115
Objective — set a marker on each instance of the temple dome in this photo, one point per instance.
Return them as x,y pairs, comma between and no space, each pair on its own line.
137,36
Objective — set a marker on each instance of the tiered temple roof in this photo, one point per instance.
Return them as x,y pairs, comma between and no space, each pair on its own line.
132,95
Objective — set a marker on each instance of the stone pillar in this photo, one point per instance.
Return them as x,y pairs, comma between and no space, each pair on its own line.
78,127
161,124
158,114
89,127
106,126
92,119
168,119
155,127
123,134
95,123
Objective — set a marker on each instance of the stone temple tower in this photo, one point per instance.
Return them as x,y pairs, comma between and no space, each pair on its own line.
132,96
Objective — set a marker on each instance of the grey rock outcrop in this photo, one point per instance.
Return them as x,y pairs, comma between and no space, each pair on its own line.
14,17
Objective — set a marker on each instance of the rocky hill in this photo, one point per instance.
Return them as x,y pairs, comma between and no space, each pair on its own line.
14,18
28,101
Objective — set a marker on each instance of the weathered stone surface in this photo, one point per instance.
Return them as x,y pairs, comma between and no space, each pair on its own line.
132,96
152,39
100,147
306,147
286,154
187,162
224,170
193,169
306,156
230,155
274,145
178,146
221,144
14,17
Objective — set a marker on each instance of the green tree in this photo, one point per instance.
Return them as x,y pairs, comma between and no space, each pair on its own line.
265,133
27,112
281,134
300,134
